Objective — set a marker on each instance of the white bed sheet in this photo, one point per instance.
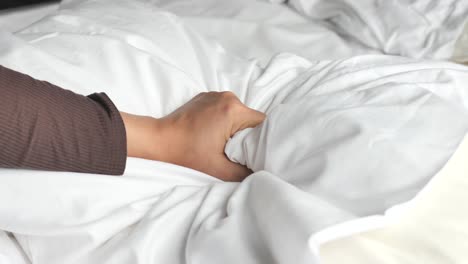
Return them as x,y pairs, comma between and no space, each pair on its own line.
225,71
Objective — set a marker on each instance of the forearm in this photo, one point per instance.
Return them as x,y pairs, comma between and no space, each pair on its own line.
45,127
151,138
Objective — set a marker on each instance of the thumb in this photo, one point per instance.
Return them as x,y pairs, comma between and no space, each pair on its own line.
246,118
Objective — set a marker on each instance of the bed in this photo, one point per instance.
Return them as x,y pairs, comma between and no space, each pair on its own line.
342,83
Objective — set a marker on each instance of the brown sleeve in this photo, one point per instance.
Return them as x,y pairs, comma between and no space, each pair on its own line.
45,127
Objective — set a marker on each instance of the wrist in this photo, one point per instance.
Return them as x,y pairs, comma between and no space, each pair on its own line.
144,137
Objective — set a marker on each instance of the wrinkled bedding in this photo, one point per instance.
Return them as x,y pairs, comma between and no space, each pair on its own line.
347,137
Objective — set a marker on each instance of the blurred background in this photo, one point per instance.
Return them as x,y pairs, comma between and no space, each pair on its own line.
17,14
4,4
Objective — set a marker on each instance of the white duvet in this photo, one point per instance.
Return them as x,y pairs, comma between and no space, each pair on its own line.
344,138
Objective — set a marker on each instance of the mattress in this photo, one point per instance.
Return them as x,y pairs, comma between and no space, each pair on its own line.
163,213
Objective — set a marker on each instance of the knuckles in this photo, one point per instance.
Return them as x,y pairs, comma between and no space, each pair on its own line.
227,101
227,94
230,108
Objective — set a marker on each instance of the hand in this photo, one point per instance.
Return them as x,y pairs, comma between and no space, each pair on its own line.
194,135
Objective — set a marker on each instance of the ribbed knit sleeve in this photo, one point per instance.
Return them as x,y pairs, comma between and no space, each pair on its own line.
45,127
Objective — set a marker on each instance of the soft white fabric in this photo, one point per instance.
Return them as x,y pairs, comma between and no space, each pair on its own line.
357,122
260,30
343,139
